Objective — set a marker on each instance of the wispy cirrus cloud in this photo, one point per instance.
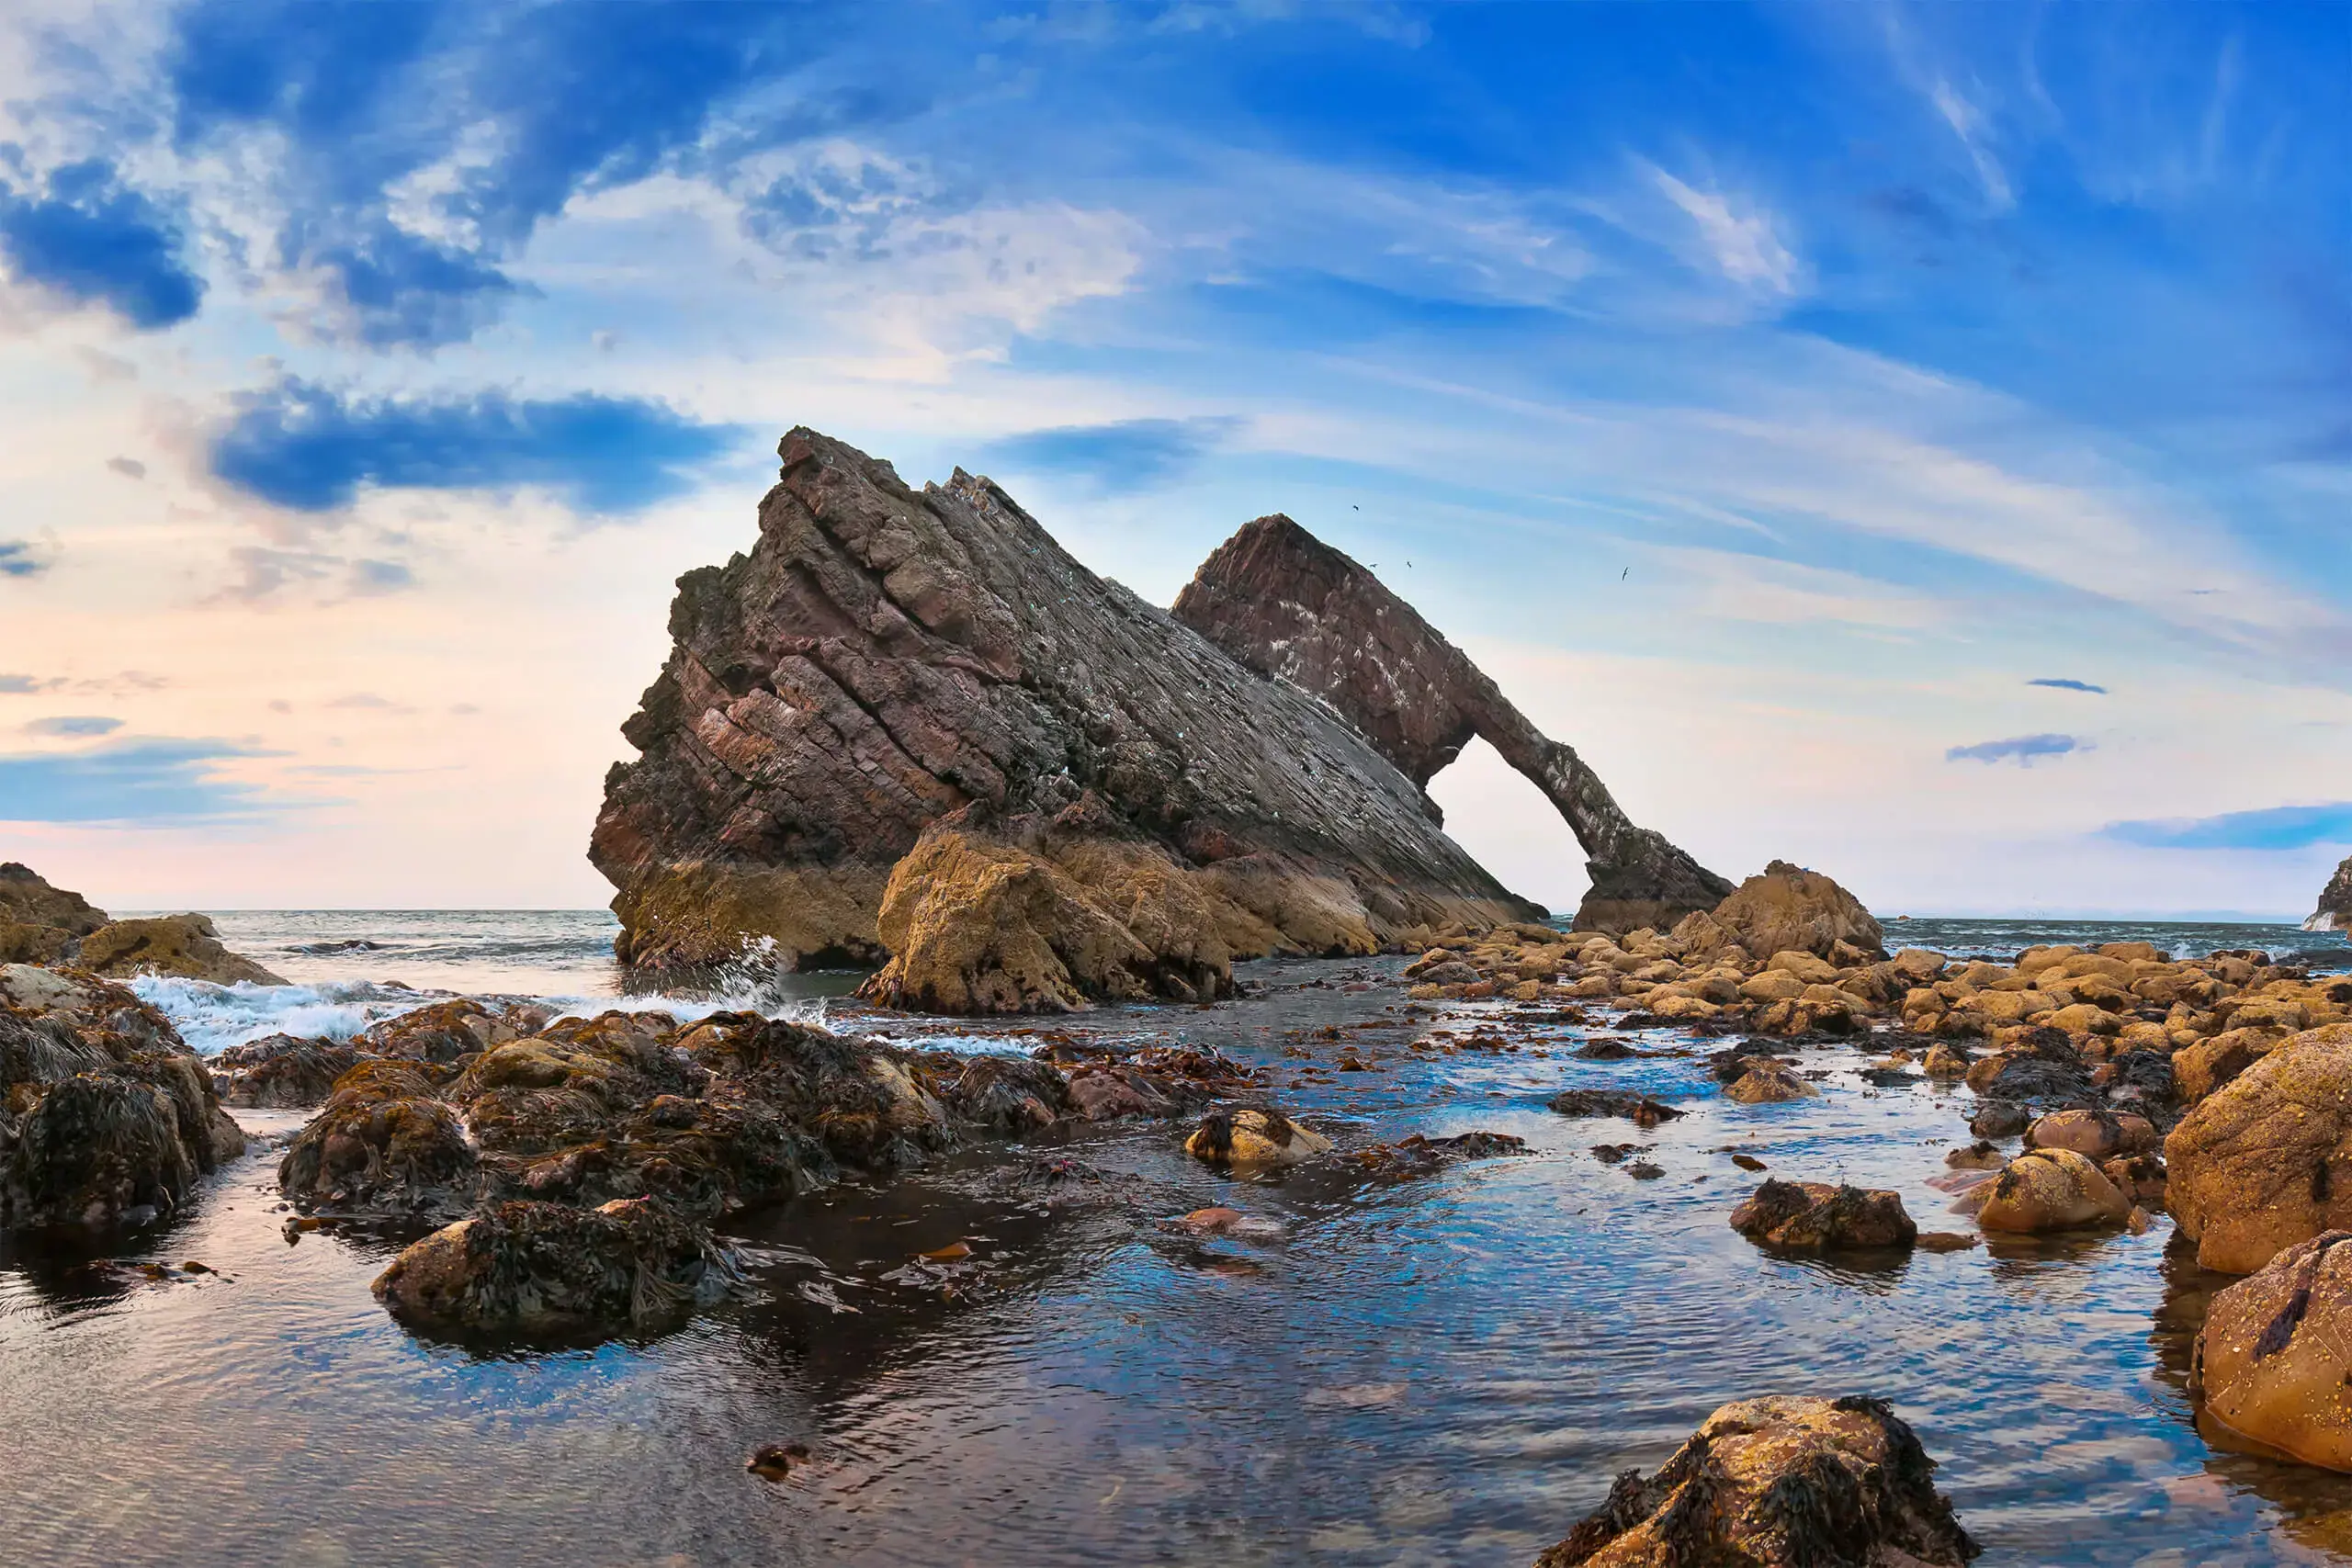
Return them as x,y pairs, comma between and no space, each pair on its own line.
1131,455
2273,828
2020,749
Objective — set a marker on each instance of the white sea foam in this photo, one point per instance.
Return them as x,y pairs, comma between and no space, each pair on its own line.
212,1018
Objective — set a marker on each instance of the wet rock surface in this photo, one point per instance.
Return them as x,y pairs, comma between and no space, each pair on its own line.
2270,1365
1291,607
1816,1216
40,924
106,1119
280,1072
2266,1161
1778,1483
884,656
184,946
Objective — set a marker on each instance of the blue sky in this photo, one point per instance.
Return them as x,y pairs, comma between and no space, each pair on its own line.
1915,440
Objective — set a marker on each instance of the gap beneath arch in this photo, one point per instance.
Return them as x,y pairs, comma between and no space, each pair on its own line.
1511,828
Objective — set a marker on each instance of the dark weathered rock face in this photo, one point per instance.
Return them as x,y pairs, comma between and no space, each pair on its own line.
2335,911
1290,606
40,923
884,656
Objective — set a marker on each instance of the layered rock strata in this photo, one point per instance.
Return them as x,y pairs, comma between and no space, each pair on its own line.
884,656
1292,608
2333,912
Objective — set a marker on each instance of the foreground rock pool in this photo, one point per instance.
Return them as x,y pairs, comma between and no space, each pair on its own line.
1444,1369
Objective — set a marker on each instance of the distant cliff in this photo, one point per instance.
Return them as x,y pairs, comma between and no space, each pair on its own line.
884,656
2335,911
1290,606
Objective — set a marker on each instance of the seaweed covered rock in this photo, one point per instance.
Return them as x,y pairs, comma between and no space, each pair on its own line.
106,1117
884,655
548,1271
1247,1141
1814,1216
1420,1155
1638,1108
2269,1363
281,1072
729,1111
443,1032
976,921
1778,1483
184,946
1292,608
2265,1162
1788,908
2050,1189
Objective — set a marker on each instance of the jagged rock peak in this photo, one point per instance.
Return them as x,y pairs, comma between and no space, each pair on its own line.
884,656
1292,608
2335,910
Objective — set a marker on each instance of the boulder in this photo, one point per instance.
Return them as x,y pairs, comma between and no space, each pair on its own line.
546,1270
1638,1108
1787,906
1293,609
1422,1156
1778,1483
885,655
106,1118
1813,1216
2266,1161
443,1032
40,924
977,921
280,1072
1768,1083
1247,1141
2050,1189
183,946
2269,1362
2097,1135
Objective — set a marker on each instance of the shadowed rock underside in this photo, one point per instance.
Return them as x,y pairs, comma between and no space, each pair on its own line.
1291,607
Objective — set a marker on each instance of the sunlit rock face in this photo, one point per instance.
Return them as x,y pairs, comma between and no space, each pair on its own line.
884,656
1290,606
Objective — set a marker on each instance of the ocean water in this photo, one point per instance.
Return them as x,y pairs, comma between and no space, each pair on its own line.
1445,1371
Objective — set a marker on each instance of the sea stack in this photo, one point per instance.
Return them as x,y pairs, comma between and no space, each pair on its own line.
886,656
1293,609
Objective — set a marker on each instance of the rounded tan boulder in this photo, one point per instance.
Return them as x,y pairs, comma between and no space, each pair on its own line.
2270,1362
2095,1134
1789,908
1768,1083
2265,1161
1246,1142
2050,1189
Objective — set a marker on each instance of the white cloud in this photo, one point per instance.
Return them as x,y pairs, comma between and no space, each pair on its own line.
1739,239
1967,122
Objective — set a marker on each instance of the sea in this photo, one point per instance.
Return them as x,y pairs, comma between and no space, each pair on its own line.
1445,1371
351,967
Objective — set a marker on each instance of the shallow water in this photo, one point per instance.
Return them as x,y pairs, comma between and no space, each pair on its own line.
1445,1371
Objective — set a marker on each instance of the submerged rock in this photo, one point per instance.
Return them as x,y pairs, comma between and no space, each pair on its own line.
1778,1483
1638,1108
2269,1362
280,1072
885,655
1292,608
2266,1161
184,946
1421,1155
548,1271
1246,1142
2050,1189
1768,1083
106,1117
1814,1216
